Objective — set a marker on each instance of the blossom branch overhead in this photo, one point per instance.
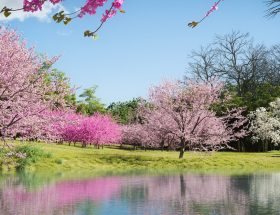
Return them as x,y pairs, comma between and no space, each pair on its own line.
89,8
215,7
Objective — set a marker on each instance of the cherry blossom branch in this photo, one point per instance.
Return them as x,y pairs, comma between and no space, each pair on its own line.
89,8
193,24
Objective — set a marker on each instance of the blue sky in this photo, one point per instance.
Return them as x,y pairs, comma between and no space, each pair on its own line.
149,43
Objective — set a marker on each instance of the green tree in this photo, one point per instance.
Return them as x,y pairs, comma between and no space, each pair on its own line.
124,112
61,84
250,71
90,104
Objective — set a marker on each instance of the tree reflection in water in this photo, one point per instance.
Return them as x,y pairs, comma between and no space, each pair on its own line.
151,195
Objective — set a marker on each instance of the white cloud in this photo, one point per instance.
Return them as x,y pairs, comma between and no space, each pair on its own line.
43,15
64,33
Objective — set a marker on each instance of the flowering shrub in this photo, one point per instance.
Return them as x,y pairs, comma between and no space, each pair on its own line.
95,130
20,157
59,126
265,124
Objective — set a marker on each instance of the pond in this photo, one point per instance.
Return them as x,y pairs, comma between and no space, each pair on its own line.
175,194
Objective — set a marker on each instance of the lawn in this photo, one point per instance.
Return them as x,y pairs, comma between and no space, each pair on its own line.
66,158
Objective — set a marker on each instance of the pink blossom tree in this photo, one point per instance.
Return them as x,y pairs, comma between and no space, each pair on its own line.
136,135
74,128
24,91
98,130
51,126
183,114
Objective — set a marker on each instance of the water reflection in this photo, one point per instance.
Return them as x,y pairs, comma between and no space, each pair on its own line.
143,195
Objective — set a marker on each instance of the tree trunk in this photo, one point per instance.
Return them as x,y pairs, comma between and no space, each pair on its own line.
238,146
182,148
266,146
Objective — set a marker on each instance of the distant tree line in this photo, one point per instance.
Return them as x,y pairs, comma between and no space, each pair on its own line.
251,75
250,71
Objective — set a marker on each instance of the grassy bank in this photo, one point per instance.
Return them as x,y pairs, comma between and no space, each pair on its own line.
66,158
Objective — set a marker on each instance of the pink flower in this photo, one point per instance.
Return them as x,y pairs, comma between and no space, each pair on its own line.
118,4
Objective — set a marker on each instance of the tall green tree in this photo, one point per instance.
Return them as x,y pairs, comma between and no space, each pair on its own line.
90,104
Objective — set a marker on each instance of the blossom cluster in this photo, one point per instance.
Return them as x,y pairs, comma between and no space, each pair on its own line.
89,8
97,130
36,5
67,126
16,154
265,123
213,8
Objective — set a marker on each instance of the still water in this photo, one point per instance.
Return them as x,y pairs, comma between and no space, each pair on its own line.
177,194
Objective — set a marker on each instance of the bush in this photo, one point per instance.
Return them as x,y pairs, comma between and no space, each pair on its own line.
59,161
21,156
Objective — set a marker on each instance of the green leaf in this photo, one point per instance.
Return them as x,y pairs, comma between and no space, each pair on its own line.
55,16
7,12
67,20
58,17
193,24
87,33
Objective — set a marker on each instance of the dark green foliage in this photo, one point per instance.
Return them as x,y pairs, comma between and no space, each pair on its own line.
260,96
124,112
58,161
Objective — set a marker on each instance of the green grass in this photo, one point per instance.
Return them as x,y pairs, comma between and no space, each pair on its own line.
66,158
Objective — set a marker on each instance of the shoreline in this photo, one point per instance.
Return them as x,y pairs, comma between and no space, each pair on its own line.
70,159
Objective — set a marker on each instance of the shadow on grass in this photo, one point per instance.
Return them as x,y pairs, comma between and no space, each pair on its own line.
116,147
119,147
115,158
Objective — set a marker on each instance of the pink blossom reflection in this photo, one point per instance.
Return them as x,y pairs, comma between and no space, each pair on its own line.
55,197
